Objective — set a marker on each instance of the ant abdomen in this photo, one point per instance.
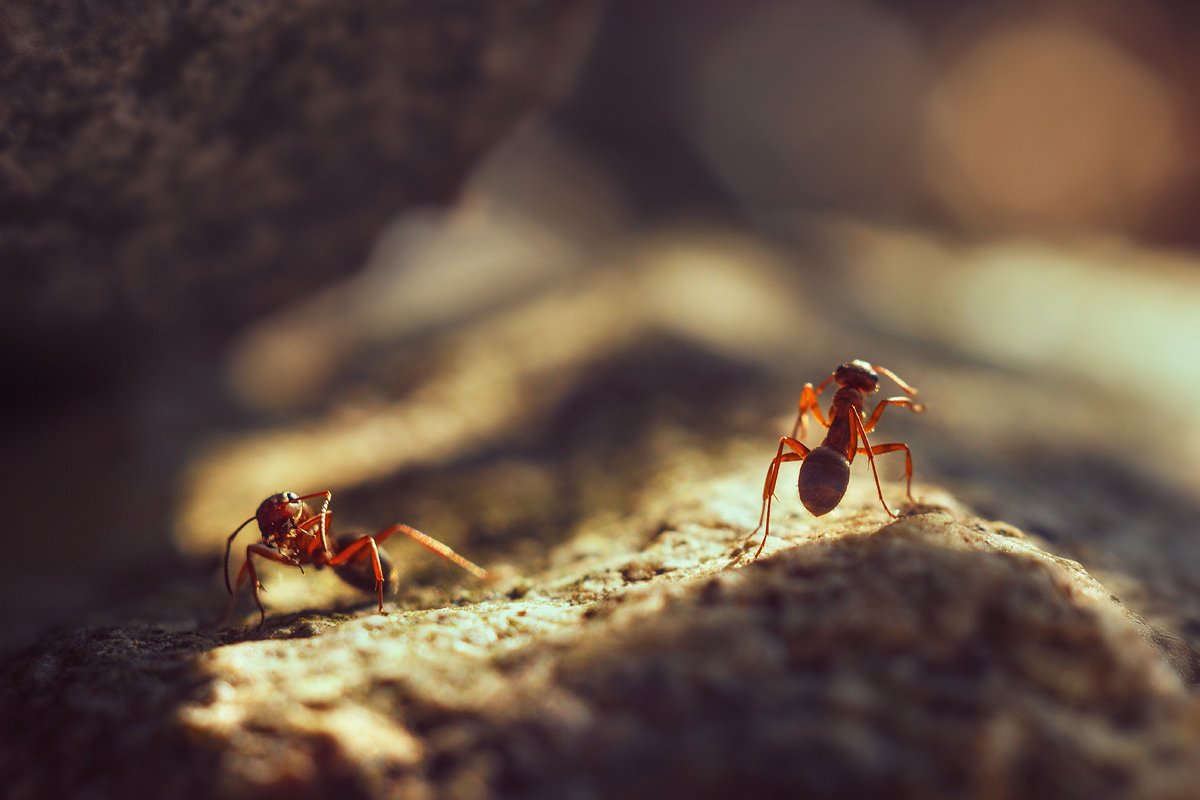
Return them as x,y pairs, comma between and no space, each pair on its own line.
359,571
824,476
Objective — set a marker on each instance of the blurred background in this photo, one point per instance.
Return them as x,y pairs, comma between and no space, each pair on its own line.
485,270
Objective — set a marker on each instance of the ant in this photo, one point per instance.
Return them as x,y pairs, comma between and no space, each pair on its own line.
287,524
825,473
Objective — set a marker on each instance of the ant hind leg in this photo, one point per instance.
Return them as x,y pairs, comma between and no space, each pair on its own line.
799,453
893,447
353,550
860,432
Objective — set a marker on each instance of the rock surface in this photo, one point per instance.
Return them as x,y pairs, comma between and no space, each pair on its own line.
180,167
595,433
603,455
939,655
170,173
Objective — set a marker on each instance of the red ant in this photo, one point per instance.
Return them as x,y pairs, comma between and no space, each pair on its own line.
825,473
287,522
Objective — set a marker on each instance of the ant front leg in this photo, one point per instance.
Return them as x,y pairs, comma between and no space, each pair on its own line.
321,543
902,402
858,431
809,402
799,453
324,516
247,570
892,447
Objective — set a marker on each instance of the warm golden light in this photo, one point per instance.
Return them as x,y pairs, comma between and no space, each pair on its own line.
1051,126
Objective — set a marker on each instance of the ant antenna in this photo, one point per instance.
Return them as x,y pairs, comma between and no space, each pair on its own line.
228,545
908,390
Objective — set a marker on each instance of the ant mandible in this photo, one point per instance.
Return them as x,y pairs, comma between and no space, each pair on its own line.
287,524
825,473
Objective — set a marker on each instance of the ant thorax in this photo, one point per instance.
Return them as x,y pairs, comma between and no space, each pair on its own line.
846,396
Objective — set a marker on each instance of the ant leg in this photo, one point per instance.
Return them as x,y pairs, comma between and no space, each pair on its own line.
769,485
228,548
423,539
809,402
261,550
903,402
799,453
908,468
352,550
859,432
324,514
327,517
232,601
908,390
432,544
772,477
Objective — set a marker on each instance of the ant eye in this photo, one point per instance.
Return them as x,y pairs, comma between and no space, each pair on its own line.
291,497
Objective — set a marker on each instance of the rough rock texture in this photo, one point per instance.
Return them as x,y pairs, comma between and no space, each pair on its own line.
936,656
627,646
188,164
597,437
171,172
604,456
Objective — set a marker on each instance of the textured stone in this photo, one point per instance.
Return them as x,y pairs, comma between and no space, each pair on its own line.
936,656
185,165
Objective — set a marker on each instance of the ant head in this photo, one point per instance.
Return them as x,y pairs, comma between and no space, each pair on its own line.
857,374
279,515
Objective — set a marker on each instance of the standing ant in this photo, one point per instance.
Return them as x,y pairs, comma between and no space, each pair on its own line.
825,473
287,524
